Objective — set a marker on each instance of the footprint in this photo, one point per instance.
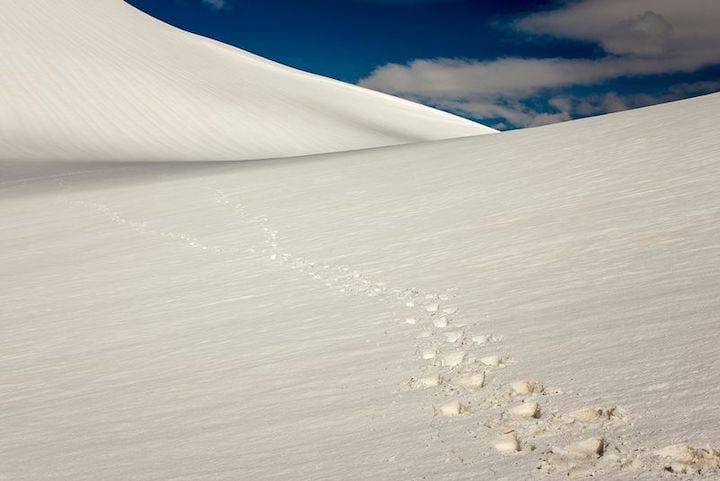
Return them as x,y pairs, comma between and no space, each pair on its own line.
484,339
591,414
686,460
528,387
453,336
590,448
429,353
440,322
425,382
472,381
453,359
527,410
452,408
432,307
508,443
492,361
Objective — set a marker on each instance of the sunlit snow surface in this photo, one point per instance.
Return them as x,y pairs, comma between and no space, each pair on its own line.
97,79
268,320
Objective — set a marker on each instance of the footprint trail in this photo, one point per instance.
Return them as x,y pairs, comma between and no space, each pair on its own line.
457,366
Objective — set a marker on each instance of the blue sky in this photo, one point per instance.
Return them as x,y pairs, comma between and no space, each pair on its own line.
505,63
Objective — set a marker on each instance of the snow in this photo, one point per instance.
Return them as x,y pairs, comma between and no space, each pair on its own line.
97,79
249,320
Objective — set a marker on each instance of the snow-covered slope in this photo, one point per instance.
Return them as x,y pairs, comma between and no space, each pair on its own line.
290,319
97,79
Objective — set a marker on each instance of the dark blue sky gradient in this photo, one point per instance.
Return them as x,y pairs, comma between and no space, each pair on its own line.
348,39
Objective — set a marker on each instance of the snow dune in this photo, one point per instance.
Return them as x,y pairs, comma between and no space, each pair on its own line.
99,80
540,303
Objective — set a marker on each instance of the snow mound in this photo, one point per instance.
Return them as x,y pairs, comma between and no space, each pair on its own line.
89,80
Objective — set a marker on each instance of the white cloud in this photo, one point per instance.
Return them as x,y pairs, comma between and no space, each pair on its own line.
511,77
565,107
640,37
512,111
614,102
666,28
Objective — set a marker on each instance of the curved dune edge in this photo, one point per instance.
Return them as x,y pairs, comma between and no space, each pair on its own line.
100,80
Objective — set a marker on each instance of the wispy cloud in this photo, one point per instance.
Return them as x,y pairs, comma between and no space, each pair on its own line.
217,4
573,105
558,108
642,37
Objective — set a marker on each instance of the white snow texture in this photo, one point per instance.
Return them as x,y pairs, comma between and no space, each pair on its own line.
97,79
538,304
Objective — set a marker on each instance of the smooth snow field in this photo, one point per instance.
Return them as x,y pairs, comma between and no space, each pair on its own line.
537,304
516,306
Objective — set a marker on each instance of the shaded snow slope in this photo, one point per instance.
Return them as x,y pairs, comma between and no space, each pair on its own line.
98,79
385,315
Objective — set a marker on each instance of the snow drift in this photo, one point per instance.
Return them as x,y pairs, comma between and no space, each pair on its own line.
98,79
